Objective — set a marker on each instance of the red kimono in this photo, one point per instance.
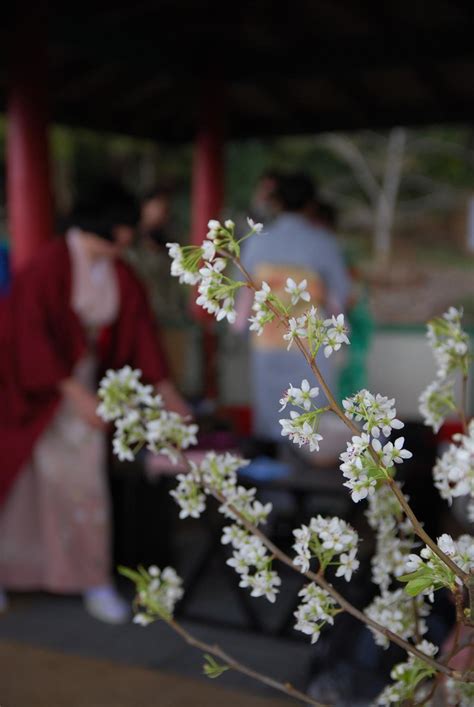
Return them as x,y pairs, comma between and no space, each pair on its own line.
41,340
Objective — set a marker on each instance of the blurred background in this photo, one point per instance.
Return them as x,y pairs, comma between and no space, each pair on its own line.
196,104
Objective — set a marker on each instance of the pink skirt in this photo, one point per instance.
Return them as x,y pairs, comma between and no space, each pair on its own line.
55,523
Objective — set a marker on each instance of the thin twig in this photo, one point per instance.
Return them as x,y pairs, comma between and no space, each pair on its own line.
463,408
431,693
416,615
234,664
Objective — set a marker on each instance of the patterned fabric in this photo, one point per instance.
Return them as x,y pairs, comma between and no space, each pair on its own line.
291,247
55,523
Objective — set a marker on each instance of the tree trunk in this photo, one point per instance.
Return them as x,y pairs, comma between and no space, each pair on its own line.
387,200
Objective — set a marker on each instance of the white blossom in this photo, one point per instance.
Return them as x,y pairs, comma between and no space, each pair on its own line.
407,678
377,412
316,609
300,397
356,461
450,344
301,430
394,610
336,334
454,472
349,564
436,402
296,328
297,292
326,539
256,227
391,452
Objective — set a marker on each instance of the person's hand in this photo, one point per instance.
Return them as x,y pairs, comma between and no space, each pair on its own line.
84,402
172,399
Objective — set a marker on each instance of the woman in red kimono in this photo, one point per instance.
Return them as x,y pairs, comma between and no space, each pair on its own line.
75,311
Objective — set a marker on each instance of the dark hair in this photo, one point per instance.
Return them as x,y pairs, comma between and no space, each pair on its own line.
327,213
161,191
104,207
295,191
270,174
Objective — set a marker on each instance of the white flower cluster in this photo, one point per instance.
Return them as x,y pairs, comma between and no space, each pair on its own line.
394,537
140,418
395,611
262,313
302,428
377,411
436,402
330,333
204,266
460,694
332,541
316,609
427,573
185,263
216,293
216,472
158,593
407,677
449,342
366,460
454,471
450,345
188,494
251,561
122,391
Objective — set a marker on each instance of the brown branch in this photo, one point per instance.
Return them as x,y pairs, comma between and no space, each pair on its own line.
234,664
416,616
324,584
431,693
463,408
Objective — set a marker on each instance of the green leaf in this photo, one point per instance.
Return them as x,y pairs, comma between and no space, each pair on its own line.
416,586
130,574
212,668
421,572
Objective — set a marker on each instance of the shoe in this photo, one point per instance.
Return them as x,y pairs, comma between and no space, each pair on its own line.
3,601
105,604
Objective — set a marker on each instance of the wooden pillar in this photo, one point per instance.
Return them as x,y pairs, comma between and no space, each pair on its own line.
208,164
207,199
29,197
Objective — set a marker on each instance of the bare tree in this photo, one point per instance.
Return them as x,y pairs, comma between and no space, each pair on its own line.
381,191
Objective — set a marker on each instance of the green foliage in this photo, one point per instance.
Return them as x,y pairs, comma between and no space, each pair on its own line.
212,668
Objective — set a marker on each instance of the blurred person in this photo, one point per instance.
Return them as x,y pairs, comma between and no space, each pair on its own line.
150,260
149,257
292,247
73,312
354,373
262,206
155,216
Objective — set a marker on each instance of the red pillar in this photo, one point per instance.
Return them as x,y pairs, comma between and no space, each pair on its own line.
207,199
29,197
208,164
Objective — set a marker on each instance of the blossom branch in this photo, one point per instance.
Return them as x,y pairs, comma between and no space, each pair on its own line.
319,579
335,407
234,664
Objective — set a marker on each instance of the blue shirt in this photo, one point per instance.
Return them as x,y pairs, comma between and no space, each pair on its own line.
290,247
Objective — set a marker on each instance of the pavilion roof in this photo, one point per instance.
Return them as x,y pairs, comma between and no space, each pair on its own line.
302,66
